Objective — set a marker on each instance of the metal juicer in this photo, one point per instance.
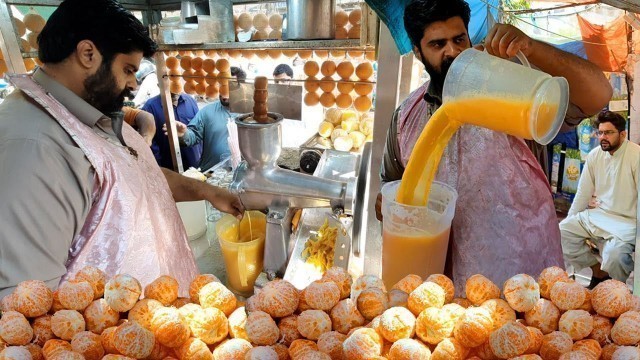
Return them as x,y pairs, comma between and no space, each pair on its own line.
264,186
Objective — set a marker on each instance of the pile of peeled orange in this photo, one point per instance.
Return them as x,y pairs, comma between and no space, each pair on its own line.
92,317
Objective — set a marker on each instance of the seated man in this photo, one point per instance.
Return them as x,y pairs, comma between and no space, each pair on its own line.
209,127
610,173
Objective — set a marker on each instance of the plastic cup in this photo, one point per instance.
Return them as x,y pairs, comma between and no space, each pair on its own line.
242,244
504,96
415,239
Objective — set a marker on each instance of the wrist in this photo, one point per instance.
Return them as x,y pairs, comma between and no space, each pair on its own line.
534,51
208,192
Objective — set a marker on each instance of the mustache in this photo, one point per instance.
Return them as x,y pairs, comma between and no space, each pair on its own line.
446,64
126,93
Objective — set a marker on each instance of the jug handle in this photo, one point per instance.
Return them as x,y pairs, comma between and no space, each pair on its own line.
242,266
520,56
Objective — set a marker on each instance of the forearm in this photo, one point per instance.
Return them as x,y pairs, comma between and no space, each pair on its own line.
147,129
589,88
188,139
580,203
586,189
186,189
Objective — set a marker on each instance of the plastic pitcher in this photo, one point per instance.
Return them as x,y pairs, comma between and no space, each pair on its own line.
242,244
415,238
504,96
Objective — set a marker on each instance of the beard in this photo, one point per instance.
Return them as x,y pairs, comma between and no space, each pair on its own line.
438,75
224,101
605,145
102,90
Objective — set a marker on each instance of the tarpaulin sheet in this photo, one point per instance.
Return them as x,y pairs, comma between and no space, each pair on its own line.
605,45
391,13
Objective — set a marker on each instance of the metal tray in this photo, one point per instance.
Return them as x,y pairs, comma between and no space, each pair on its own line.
335,165
299,272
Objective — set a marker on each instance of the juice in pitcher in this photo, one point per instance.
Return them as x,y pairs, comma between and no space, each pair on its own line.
487,91
242,244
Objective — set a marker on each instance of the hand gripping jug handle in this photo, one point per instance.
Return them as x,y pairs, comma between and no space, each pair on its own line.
520,56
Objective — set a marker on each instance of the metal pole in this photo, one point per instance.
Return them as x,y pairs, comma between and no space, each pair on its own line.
389,65
9,41
167,106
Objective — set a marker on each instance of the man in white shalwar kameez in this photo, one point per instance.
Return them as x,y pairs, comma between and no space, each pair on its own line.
611,175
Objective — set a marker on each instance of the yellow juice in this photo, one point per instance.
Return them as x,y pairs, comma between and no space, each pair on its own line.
242,245
503,115
405,254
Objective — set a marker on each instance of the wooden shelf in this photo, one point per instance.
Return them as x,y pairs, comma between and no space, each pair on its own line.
305,44
129,4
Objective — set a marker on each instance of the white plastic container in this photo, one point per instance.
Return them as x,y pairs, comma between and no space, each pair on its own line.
193,216
534,102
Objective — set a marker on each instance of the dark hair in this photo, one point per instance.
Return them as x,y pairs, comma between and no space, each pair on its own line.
419,14
111,27
238,73
615,119
283,69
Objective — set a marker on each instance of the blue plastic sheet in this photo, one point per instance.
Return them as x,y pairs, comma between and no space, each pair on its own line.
391,13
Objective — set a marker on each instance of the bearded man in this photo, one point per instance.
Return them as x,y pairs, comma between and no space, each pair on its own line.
611,175
505,221
79,187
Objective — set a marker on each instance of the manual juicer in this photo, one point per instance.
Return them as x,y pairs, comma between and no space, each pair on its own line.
262,185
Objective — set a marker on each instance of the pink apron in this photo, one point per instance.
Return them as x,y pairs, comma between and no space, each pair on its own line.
505,221
133,226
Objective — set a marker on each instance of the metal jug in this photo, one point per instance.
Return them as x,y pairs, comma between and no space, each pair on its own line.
309,20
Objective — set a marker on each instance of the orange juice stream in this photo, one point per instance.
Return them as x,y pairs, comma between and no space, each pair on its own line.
423,253
503,115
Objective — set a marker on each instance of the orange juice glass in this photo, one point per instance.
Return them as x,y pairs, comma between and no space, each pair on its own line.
242,244
415,238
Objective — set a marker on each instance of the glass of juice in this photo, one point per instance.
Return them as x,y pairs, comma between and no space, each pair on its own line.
242,244
415,238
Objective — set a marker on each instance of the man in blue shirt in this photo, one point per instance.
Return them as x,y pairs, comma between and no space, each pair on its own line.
209,127
184,109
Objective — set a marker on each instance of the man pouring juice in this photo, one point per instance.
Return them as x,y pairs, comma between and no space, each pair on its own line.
505,221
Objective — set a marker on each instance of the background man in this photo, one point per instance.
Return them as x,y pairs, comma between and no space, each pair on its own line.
209,128
185,108
282,73
611,174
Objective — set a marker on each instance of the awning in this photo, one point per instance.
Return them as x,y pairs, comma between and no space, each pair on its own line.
628,5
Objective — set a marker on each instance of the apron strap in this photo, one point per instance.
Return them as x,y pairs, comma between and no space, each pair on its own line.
636,257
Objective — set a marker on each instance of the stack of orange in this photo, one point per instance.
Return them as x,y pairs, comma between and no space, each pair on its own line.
334,318
348,24
347,84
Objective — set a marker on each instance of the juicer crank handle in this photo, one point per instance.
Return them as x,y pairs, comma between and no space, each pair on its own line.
359,206
520,56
